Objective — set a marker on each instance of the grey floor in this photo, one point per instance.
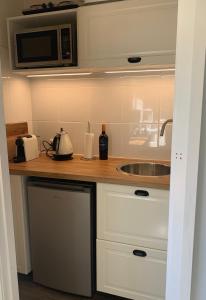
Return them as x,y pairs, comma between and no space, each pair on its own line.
29,290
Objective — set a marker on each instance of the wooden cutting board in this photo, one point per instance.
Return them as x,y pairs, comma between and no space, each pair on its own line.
12,131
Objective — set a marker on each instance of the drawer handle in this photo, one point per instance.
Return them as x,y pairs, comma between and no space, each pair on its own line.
134,60
140,253
142,193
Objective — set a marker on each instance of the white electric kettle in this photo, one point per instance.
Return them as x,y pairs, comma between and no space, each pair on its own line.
62,146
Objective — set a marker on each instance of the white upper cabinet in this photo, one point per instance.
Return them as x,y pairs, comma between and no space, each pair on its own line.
109,34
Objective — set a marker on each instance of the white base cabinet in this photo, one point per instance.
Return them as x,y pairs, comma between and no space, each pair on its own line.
121,273
123,216
21,228
132,224
111,33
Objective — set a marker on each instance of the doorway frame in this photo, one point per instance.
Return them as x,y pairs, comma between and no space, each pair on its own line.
190,63
189,92
8,268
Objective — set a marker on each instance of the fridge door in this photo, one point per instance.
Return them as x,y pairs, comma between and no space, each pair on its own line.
61,238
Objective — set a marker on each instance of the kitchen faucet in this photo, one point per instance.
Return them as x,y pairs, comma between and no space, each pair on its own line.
164,125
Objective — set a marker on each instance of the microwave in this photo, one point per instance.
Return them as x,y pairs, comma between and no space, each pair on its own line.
50,46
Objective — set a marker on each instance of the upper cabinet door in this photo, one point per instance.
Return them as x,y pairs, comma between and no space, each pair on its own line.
110,34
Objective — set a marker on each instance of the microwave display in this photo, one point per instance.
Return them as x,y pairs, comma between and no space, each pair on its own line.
46,46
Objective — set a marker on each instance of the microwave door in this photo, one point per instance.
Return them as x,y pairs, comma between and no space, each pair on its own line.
37,49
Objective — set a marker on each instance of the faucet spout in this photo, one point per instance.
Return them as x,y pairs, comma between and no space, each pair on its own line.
164,125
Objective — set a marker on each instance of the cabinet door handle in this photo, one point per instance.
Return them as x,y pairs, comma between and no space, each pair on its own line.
142,193
140,253
134,60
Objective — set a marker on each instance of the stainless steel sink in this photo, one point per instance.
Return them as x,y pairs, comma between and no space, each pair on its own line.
145,169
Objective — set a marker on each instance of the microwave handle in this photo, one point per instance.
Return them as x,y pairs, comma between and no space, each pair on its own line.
59,45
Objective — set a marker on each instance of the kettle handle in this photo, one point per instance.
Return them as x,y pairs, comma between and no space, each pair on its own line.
56,143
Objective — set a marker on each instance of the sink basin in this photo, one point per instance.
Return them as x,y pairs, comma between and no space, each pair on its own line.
145,169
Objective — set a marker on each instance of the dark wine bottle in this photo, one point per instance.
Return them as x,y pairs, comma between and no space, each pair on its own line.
103,144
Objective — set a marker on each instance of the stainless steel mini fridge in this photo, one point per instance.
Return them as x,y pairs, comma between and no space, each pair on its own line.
62,229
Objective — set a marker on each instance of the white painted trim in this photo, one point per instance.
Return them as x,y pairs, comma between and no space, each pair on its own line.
190,64
21,226
1,283
8,271
199,256
186,132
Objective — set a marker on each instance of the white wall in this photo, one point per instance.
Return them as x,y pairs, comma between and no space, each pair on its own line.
8,271
9,8
16,90
199,261
8,277
16,94
17,100
133,109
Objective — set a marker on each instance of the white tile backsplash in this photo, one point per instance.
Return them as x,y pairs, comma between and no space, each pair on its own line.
44,107
76,132
115,134
140,139
131,107
46,130
166,98
75,104
142,101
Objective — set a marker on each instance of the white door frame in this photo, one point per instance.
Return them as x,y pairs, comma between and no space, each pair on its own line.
185,154
8,270
190,69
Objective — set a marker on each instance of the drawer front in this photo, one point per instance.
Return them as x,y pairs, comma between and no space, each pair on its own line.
121,273
123,216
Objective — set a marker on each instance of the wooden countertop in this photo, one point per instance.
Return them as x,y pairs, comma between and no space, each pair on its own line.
94,170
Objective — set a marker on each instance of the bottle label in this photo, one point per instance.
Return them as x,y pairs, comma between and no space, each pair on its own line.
103,146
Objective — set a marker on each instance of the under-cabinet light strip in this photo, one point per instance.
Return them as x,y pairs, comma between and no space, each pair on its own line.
106,72
139,71
58,75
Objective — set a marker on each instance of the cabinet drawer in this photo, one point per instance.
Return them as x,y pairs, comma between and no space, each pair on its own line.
121,273
123,216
